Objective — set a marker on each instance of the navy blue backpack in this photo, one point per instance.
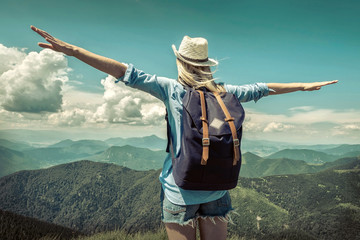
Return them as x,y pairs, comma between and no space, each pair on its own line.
210,156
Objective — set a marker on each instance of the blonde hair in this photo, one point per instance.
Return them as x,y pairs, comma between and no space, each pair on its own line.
197,77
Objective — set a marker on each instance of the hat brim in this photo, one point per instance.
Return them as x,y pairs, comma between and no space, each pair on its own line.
211,62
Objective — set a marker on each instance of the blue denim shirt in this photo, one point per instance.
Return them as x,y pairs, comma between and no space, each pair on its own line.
171,93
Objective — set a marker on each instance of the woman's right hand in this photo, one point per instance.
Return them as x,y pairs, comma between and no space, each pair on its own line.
55,44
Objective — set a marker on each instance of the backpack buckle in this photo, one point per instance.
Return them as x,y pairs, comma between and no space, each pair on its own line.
203,119
236,142
206,141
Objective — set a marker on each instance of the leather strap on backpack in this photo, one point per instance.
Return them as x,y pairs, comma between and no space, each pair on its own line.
230,121
205,125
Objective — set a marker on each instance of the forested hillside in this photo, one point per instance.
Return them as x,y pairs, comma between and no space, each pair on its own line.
14,226
86,196
92,197
325,205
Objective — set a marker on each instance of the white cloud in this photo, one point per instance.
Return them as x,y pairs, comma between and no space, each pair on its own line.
78,108
10,58
32,82
346,129
118,105
302,108
128,106
306,124
311,116
277,127
11,119
69,118
355,126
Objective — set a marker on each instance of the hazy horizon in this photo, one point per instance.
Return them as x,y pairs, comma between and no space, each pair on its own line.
47,137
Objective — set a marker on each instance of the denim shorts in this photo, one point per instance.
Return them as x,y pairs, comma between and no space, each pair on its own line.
188,214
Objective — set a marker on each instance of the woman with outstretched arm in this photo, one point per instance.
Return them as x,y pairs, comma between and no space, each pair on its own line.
182,210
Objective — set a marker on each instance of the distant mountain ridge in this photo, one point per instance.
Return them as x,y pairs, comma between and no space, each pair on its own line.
81,146
343,149
17,146
139,158
281,162
92,196
132,157
255,166
152,142
309,156
61,144
12,161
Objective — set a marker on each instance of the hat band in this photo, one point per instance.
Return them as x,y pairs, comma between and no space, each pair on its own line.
194,60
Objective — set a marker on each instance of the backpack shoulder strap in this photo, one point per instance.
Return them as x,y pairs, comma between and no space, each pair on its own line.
205,125
230,120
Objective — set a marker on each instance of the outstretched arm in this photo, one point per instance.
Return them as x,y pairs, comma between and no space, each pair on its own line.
280,88
101,63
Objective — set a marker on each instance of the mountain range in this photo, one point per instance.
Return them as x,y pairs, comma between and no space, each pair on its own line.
284,191
310,156
91,197
42,138
319,157
15,156
12,161
255,166
132,157
152,142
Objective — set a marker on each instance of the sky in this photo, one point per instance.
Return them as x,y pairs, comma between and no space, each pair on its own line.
253,40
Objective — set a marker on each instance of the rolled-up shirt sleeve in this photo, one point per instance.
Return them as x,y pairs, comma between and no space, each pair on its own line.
152,84
247,93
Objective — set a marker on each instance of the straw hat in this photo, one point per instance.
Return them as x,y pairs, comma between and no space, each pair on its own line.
194,51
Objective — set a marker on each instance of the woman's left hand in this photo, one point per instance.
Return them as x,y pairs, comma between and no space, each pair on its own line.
317,85
281,88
